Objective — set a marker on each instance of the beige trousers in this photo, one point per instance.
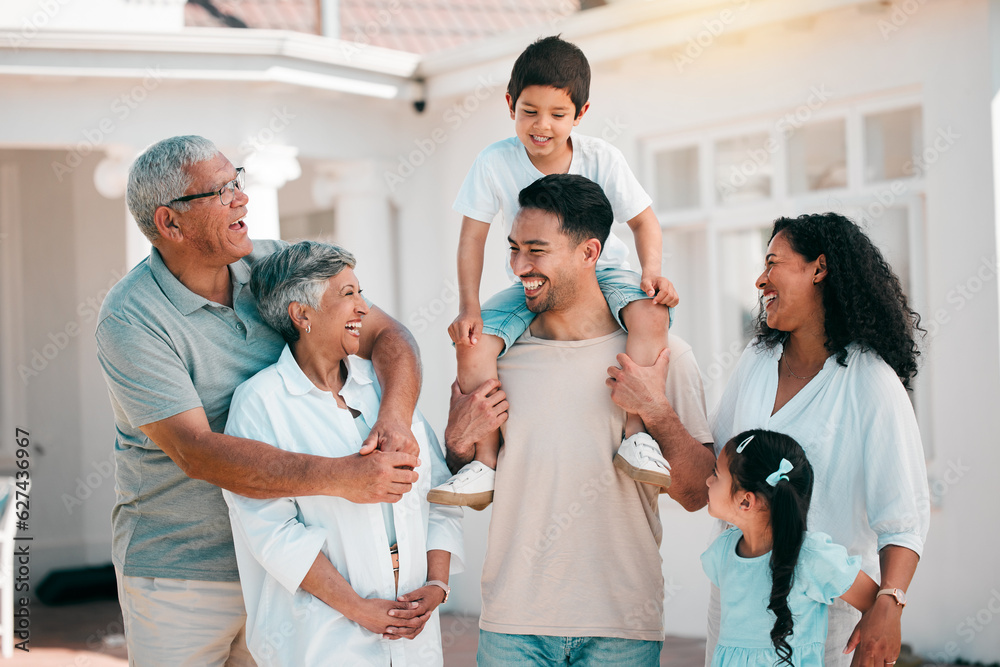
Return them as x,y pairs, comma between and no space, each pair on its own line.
181,622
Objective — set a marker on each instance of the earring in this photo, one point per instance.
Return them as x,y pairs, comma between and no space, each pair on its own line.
309,328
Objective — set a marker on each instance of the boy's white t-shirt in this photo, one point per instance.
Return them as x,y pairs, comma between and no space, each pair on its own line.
503,169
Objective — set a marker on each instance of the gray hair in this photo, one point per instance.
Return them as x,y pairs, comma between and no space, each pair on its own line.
160,175
299,273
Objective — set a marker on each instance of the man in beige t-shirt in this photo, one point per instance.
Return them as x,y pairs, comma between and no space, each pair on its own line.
573,569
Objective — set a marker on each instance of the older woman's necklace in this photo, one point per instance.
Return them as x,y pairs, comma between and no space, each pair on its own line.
798,377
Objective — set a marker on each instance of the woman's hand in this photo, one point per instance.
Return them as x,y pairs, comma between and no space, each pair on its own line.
373,614
418,607
390,435
876,639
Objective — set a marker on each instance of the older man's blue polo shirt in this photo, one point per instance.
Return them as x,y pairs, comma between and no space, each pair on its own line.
165,350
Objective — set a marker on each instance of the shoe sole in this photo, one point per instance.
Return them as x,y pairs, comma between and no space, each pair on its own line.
640,475
476,501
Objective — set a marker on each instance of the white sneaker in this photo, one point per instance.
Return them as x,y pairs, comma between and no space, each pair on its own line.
640,458
472,486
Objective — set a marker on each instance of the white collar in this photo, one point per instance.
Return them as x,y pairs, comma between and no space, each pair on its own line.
359,391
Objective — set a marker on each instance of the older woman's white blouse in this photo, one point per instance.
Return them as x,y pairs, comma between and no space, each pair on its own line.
857,427
278,540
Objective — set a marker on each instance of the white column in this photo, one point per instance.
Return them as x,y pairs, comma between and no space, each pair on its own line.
268,169
330,14
111,179
364,225
13,408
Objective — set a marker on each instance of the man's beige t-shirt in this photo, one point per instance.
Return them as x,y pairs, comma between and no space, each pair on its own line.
573,543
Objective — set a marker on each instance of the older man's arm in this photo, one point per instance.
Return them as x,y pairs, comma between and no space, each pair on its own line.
258,470
394,353
639,390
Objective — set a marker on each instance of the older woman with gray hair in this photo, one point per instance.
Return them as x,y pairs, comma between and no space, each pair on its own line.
324,579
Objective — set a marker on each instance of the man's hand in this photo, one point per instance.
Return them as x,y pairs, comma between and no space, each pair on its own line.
634,387
471,417
467,327
390,435
661,289
378,477
419,606
876,639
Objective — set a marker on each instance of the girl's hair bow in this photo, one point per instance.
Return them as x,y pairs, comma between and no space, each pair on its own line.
781,473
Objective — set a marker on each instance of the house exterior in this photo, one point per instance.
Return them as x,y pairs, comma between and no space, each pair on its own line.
731,113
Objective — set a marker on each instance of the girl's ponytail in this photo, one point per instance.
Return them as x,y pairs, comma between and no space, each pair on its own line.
773,467
788,527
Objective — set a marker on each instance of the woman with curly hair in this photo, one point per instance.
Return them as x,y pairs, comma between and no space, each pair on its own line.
834,354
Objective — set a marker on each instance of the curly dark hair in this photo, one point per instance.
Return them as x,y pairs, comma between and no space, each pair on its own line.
863,301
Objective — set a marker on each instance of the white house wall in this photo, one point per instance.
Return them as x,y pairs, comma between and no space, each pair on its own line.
73,243
939,49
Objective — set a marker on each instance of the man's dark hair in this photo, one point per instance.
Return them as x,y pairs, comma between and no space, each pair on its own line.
583,210
554,62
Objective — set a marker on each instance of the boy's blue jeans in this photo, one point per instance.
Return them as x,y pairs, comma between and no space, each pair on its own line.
502,650
506,314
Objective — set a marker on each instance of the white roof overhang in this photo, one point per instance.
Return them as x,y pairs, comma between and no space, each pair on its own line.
210,54
618,30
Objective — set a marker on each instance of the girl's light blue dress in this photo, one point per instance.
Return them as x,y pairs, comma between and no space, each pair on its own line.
823,573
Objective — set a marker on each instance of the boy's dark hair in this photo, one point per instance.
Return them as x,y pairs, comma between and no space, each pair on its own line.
583,210
788,501
552,61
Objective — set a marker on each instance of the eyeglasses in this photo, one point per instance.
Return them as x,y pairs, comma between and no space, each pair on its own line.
226,193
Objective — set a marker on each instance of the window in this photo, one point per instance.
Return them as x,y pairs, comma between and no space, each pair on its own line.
677,179
817,157
742,169
892,139
846,160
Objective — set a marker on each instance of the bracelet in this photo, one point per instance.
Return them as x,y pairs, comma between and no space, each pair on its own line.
445,587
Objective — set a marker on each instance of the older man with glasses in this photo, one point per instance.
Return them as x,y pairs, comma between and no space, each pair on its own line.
175,338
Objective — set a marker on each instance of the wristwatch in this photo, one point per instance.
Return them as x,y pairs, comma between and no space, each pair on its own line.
898,594
445,587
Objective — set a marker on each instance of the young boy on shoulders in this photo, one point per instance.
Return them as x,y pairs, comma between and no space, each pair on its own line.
547,97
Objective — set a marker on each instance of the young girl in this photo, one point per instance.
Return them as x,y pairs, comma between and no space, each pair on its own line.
776,579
